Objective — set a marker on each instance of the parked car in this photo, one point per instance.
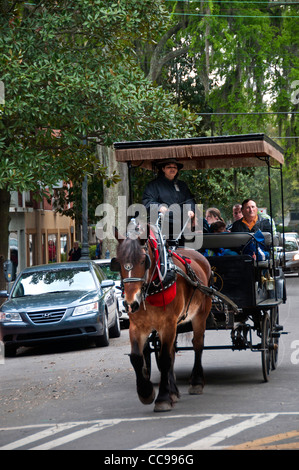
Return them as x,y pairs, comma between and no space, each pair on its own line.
105,266
288,236
291,255
57,302
291,235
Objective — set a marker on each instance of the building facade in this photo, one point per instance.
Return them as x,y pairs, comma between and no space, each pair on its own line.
37,233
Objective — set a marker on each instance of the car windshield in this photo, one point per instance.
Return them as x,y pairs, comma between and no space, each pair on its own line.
115,276
59,280
291,245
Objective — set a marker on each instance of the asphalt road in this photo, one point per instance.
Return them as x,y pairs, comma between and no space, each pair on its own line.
80,397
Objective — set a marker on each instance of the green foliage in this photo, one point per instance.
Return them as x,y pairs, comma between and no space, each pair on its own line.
71,80
242,66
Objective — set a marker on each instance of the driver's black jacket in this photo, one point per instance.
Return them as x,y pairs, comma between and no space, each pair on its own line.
162,191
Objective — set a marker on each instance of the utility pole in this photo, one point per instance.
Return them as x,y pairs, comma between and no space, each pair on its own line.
85,248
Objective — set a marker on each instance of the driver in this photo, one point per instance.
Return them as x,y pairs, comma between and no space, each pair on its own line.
167,190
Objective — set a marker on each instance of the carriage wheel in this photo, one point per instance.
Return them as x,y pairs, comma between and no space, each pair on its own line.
266,346
275,337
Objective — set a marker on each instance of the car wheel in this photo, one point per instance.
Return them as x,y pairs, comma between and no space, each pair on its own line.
114,331
10,351
103,340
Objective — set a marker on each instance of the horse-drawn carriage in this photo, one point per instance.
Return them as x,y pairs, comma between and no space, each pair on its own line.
245,292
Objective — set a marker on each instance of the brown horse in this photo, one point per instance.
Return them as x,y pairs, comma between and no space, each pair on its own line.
137,261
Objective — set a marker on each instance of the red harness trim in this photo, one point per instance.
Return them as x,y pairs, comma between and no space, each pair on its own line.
182,260
161,299
154,246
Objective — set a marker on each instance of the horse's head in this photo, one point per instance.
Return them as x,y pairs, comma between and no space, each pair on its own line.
134,264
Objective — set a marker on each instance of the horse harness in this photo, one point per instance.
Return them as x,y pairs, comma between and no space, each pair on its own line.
163,279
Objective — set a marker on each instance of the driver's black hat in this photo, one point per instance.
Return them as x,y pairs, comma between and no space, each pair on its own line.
163,163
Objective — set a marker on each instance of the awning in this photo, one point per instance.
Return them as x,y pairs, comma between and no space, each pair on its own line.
249,150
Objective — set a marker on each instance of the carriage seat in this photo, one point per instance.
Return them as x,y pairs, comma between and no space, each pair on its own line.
225,240
235,241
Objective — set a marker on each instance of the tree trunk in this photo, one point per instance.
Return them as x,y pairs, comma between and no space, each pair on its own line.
110,194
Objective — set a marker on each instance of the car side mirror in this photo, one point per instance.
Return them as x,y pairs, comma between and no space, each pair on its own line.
107,283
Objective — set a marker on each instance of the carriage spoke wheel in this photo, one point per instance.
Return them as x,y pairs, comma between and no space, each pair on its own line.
266,346
275,337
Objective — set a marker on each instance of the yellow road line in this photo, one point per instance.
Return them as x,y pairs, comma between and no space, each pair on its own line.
266,443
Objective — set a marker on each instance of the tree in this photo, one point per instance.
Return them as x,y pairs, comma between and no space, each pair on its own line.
237,61
71,81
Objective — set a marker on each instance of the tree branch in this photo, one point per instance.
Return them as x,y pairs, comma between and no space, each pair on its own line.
158,60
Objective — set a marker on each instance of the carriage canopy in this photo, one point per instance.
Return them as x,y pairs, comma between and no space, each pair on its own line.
249,150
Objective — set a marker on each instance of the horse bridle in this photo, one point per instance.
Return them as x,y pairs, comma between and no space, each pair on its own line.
115,266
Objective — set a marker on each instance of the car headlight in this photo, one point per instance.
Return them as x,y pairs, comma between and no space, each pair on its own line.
92,307
296,257
12,316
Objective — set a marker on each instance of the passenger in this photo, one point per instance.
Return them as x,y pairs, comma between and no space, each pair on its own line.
237,212
251,220
213,215
237,215
218,227
266,216
254,223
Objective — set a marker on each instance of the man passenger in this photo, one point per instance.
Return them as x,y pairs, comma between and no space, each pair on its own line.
237,214
251,220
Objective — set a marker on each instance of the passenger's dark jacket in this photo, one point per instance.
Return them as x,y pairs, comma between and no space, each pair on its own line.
263,224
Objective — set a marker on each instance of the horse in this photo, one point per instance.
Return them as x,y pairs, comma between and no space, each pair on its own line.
137,260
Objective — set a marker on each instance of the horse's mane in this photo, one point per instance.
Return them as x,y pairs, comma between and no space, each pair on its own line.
130,250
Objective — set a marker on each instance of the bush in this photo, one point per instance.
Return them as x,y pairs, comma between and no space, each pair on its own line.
92,251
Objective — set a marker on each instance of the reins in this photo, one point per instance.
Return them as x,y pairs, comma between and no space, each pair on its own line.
190,276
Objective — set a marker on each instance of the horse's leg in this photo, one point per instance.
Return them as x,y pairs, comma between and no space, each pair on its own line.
145,389
199,326
168,392
173,389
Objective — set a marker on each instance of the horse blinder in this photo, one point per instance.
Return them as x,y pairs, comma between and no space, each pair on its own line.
115,265
147,262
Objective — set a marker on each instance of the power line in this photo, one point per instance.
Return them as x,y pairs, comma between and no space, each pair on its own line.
252,113
235,16
237,1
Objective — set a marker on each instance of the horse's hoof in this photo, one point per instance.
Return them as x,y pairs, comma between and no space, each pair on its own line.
162,406
195,389
148,400
174,398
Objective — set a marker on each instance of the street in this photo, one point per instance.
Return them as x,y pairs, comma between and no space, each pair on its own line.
76,396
